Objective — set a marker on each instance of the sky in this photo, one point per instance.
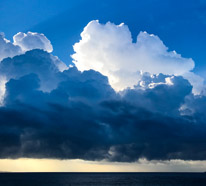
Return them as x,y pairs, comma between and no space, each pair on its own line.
181,25
102,85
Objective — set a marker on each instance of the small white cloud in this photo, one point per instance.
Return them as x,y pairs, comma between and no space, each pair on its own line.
22,43
109,49
32,40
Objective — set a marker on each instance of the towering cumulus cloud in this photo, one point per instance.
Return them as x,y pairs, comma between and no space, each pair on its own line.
50,110
109,49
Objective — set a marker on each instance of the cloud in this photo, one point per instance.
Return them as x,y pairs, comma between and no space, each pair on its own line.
110,50
8,49
85,118
23,42
45,65
52,111
20,65
32,40
160,97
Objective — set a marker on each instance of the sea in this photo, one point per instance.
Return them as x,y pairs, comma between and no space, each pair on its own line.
105,179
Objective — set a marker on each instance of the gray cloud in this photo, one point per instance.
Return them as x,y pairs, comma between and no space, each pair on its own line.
83,117
39,62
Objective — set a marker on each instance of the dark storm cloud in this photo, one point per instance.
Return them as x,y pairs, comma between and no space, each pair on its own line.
83,117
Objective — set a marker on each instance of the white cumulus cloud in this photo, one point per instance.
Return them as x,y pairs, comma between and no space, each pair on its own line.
109,49
23,42
32,40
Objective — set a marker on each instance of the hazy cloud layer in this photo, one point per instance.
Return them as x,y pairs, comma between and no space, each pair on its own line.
52,111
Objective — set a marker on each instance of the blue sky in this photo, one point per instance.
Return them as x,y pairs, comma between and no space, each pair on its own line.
180,24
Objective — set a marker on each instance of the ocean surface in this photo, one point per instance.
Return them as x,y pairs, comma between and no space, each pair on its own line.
106,179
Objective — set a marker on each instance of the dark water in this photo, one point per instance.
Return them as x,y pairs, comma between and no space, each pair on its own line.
90,179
